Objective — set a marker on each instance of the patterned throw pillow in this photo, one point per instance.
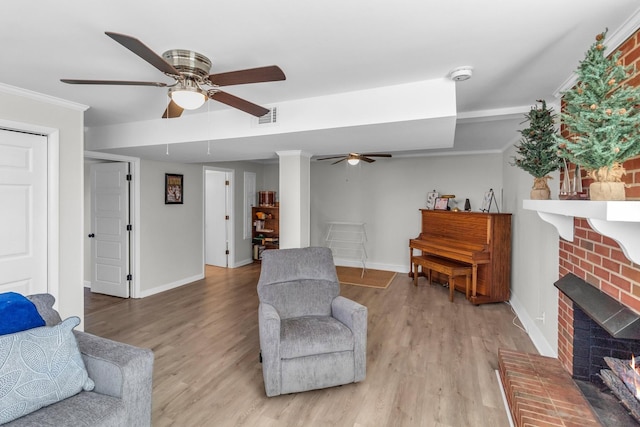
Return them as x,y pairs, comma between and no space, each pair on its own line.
39,367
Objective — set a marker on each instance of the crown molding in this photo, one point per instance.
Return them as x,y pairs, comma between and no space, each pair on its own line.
13,90
615,40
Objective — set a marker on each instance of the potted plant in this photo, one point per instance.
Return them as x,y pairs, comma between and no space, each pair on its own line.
602,121
537,151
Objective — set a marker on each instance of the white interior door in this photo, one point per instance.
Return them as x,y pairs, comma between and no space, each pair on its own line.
216,218
23,212
109,235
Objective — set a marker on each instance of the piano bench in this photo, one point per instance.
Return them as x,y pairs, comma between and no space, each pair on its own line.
448,267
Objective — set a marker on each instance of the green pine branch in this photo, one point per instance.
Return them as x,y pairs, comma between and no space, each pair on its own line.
601,113
537,153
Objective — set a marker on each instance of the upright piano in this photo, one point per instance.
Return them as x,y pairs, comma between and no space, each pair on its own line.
482,240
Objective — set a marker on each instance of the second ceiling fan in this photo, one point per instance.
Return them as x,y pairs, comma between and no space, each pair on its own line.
190,70
354,158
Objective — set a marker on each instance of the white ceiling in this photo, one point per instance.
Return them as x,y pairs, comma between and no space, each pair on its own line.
520,52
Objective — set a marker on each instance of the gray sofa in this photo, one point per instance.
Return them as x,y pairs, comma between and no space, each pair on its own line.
310,337
122,375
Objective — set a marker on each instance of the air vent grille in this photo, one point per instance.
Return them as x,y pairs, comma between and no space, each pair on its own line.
270,117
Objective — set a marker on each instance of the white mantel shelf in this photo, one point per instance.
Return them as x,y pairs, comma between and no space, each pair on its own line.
619,220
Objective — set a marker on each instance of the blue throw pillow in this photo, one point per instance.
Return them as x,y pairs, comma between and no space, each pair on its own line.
39,367
17,314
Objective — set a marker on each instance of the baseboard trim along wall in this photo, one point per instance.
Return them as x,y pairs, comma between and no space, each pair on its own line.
162,288
538,339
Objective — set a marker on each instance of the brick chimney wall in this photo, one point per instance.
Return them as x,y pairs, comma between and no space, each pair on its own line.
595,258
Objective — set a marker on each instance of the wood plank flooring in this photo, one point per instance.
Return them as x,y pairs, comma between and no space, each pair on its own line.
429,362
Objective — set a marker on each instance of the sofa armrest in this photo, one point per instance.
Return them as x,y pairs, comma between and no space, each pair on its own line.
269,325
120,370
354,316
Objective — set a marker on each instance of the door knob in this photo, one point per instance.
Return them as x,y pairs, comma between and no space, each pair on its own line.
92,235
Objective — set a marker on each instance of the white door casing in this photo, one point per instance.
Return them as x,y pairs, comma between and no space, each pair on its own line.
109,236
216,214
23,213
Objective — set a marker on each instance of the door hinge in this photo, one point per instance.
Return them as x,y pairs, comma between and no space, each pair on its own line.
129,277
129,177
226,182
129,227
226,252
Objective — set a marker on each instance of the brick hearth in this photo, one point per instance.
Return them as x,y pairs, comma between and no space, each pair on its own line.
541,393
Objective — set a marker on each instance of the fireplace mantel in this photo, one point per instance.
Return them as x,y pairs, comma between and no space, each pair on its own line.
619,220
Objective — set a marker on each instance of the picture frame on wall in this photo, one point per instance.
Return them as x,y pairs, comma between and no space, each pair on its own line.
442,204
173,189
431,199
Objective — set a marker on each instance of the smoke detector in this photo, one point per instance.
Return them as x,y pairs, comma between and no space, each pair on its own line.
461,73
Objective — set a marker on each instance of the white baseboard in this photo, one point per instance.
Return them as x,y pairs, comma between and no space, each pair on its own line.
538,339
87,284
162,288
242,263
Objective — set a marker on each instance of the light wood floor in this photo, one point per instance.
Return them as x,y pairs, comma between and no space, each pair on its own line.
429,362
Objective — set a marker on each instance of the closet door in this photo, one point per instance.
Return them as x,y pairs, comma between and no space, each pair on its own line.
23,212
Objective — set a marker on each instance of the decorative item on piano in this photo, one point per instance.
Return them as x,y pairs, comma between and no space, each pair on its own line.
431,199
487,200
442,204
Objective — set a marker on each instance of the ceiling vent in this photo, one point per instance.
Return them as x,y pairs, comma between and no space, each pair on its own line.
270,117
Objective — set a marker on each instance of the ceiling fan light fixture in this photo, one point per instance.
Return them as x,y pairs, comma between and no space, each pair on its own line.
188,95
353,162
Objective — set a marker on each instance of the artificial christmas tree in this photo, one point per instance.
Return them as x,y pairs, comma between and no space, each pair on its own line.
602,121
537,152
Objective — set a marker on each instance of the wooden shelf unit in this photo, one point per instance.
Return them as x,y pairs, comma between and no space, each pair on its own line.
265,233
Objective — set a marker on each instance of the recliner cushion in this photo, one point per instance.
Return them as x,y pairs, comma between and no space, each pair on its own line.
309,335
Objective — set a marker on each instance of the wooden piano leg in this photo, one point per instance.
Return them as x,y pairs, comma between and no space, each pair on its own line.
467,286
474,280
414,269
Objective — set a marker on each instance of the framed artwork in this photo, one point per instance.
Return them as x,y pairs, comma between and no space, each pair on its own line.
486,201
173,189
442,204
431,199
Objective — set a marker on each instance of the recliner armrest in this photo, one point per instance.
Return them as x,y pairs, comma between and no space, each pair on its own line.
354,316
269,324
120,370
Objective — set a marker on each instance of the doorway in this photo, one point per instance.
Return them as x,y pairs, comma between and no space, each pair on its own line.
218,216
133,245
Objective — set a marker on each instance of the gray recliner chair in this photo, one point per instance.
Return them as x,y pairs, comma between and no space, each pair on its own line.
310,337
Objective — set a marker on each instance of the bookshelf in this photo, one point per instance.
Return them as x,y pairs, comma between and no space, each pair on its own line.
265,232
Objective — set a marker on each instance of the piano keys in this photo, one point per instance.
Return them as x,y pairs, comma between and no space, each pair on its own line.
482,240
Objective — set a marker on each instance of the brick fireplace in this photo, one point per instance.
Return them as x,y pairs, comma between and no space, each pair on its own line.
595,258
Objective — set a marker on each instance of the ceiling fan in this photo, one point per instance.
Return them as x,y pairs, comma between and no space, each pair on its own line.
190,70
354,158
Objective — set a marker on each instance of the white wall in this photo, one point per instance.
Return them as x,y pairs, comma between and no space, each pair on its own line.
534,266
171,236
70,123
388,194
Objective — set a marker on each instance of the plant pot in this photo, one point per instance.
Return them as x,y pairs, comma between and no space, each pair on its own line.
540,190
607,191
540,194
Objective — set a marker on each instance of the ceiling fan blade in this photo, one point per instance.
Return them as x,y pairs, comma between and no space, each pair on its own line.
173,110
239,103
144,52
112,82
253,75
341,160
366,159
376,155
332,157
